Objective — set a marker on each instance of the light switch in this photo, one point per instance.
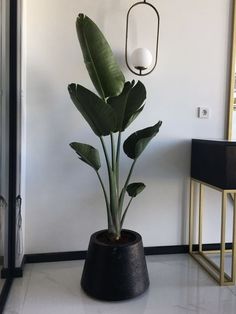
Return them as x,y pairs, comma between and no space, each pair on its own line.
203,112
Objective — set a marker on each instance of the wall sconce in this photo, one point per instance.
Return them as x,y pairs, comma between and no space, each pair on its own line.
141,58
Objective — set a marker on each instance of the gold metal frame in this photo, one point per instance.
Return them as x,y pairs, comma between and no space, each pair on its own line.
232,74
218,273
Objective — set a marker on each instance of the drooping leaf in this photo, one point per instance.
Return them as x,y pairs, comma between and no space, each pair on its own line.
99,115
127,104
135,144
88,154
101,64
134,189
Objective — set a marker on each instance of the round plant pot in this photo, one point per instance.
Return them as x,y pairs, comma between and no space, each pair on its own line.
115,271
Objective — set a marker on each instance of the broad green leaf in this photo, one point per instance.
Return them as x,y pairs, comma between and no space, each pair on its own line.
99,115
137,142
136,99
101,64
127,104
88,154
134,116
134,189
119,104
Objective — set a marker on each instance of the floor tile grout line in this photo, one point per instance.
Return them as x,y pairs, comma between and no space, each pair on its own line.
26,290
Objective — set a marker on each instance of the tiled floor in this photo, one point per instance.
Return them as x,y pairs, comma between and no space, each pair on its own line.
178,286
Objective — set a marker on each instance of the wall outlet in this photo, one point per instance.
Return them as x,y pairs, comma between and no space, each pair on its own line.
203,112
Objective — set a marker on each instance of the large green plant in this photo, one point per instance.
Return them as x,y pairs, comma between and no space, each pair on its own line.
110,114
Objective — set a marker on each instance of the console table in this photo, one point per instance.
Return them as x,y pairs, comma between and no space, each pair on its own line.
213,164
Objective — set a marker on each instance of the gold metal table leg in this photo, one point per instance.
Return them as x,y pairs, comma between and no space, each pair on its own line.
191,216
201,204
222,244
217,272
233,264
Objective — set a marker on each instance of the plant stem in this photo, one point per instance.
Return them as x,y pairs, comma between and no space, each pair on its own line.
114,201
106,155
125,212
122,194
129,175
118,162
113,152
113,191
114,188
109,217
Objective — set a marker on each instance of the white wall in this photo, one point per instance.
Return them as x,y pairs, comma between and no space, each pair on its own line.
63,201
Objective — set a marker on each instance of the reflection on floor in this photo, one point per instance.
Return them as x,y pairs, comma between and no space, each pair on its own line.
228,261
178,286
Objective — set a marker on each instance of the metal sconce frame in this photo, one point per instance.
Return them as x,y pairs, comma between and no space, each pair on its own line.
126,40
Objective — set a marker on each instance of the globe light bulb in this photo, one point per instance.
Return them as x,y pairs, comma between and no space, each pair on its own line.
141,58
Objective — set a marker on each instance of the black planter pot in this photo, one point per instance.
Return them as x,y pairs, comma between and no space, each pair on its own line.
115,271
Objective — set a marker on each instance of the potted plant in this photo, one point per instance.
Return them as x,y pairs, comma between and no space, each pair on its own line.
115,267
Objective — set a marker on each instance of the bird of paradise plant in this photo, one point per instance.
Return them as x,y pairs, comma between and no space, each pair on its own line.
109,113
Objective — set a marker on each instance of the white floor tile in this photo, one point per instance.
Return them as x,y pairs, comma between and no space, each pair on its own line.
178,286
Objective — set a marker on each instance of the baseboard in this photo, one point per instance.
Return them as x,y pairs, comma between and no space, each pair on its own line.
212,247
161,250
81,255
55,257
152,250
15,273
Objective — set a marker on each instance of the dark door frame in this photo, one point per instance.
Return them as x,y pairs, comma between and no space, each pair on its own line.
13,136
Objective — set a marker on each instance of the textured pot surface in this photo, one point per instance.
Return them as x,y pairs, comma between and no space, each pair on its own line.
115,271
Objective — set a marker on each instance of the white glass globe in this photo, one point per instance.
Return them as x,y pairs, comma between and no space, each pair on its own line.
141,58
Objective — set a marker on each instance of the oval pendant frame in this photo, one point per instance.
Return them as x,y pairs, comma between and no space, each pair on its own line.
140,73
